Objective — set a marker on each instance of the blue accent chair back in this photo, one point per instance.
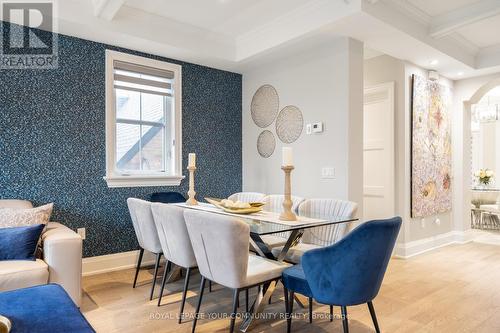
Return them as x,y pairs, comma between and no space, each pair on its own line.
351,271
167,197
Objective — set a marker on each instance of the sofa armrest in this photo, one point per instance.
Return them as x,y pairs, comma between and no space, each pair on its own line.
62,252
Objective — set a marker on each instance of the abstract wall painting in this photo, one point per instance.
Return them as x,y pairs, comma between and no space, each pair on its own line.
430,148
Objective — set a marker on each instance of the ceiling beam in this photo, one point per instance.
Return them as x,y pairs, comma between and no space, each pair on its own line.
447,23
107,9
488,57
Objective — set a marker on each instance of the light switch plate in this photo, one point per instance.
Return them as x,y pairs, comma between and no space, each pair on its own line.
328,173
308,129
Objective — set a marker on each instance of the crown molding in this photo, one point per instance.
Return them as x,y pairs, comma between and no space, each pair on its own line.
298,22
410,10
464,42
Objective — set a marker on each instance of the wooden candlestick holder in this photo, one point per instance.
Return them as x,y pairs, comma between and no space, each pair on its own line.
287,214
191,193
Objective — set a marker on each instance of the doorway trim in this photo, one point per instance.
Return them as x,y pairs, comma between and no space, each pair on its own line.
463,204
381,91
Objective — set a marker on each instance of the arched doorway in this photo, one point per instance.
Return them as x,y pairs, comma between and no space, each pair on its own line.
480,145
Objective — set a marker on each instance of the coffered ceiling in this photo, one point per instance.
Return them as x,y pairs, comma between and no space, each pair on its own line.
459,38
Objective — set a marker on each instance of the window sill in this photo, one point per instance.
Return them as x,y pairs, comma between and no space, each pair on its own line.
143,181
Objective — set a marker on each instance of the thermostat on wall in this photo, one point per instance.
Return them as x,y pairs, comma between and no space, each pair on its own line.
314,128
317,127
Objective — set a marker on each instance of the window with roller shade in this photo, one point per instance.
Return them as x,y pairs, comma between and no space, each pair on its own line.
143,121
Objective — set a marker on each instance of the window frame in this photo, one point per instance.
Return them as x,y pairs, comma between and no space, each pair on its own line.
115,179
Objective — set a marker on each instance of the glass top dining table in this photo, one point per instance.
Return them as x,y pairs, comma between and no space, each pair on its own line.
268,223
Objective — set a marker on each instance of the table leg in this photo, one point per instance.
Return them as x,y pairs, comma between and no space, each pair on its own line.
258,305
291,241
263,297
261,247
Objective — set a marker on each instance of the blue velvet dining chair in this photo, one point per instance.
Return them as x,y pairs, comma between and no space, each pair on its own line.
167,197
349,272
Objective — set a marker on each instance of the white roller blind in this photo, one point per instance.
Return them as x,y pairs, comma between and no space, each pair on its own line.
143,79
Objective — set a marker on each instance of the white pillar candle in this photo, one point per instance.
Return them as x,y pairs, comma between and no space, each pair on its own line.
192,160
287,156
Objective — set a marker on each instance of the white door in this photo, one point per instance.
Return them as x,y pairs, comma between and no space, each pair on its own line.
378,151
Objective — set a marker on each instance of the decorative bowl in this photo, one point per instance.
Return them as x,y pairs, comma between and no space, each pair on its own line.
255,207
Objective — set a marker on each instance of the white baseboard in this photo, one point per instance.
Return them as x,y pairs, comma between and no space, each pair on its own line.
114,262
410,249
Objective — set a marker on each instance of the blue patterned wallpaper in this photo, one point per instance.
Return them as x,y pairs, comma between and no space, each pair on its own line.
52,141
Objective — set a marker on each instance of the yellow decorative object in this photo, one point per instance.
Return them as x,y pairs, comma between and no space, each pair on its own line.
233,207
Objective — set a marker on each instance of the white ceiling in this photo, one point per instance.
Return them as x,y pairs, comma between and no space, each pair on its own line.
228,17
438,7
484,33
462,35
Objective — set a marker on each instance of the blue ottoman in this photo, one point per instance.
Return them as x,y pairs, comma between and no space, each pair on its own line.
42,309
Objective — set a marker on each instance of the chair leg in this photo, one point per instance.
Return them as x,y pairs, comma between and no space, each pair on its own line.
236,296
331,313
200,296
209,286
345,322
158,256
141,253
186,286
374,316
246,300
310,310
164,280
291,300
288,312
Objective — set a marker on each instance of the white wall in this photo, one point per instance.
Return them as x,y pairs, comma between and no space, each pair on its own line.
415,235
326,83
380,70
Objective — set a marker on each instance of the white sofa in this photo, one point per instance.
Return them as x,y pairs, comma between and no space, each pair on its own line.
61,262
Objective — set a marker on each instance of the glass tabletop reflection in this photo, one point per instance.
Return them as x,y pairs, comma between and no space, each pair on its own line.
266,223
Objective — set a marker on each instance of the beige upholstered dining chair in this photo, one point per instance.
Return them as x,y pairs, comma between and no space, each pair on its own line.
220,244
327,209
147,236
247,197
274,203
175,243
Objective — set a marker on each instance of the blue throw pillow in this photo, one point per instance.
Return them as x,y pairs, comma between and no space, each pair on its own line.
19,243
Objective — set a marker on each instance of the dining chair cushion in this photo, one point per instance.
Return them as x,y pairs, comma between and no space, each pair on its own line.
274,203
491,208
295,253
247,197
350,272
173,234
167,197
294,279
261,269
273,241
144,225
220,245
327,209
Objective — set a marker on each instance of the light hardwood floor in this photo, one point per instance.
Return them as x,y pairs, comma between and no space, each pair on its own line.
451,289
